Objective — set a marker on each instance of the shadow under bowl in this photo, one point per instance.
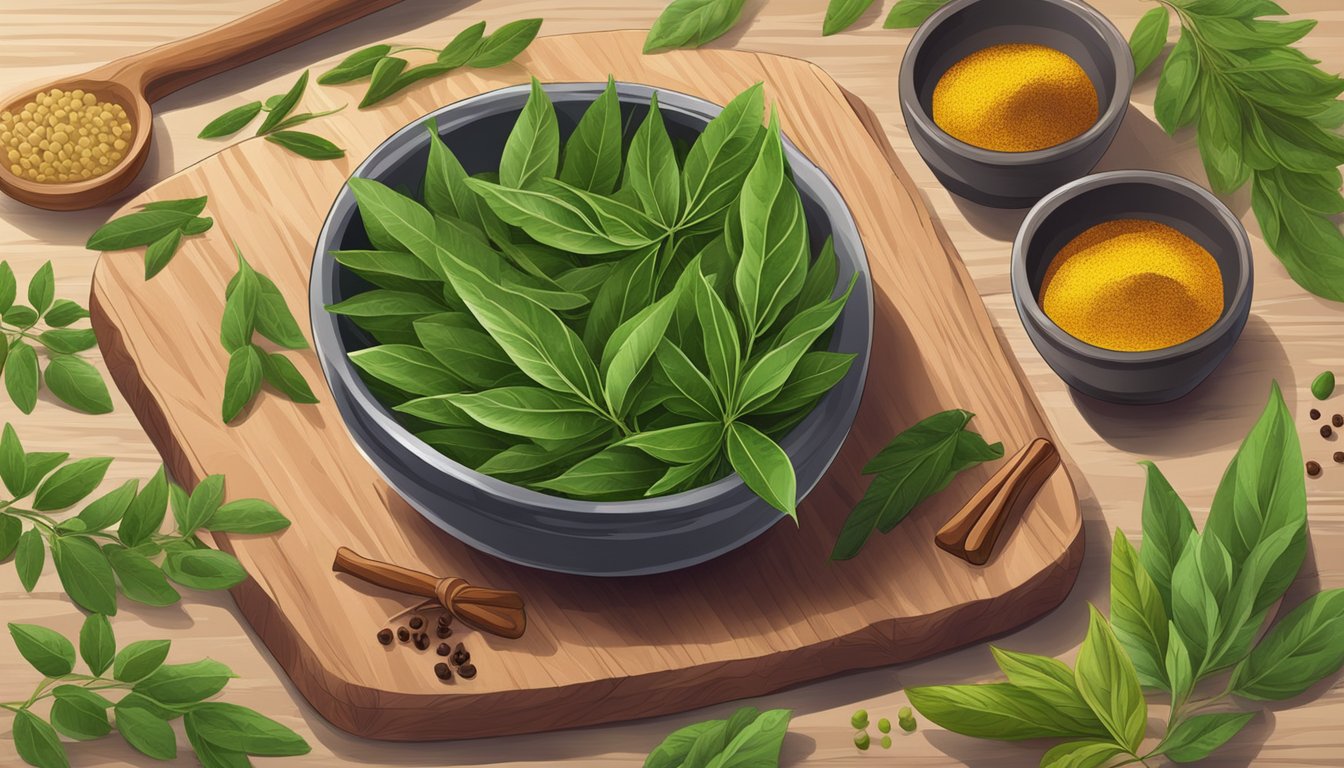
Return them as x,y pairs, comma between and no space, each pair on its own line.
525,526
1132,377
962,27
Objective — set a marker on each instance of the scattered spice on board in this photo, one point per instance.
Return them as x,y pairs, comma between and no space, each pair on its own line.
1315,414
1017,97
1323,386
63,136
1133,285
1313,469
1326,431
1339,457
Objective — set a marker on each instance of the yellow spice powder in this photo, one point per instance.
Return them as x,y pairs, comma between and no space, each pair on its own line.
1017,97
64,136
1133,285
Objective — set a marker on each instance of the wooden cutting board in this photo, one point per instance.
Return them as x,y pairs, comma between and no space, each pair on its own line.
772,614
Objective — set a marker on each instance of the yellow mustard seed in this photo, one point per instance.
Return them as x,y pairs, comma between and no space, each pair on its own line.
1133,285
1016,97
63,136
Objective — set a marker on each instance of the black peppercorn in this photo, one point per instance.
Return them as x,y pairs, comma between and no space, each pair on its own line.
1326,431
417,622
1315,414
1313,469
445,632
421,641
1337,419
1339,457
385,636
444,672
467,671
444,650
403,634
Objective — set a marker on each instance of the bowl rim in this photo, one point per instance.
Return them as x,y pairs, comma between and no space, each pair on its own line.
1030,307
339,366
1115,109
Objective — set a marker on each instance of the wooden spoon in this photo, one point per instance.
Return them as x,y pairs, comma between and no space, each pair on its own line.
139,80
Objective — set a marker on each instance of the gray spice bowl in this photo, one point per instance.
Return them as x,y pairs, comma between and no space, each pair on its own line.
1132,377
962,27
535,529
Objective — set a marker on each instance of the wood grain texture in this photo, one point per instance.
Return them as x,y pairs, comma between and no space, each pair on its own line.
1291,337
597,650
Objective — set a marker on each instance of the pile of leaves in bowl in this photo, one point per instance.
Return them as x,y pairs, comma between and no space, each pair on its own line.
602,322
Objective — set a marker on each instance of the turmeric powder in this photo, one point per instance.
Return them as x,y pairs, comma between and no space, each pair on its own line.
1017,97
1133,285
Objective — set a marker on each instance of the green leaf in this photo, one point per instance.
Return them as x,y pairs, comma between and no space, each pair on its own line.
240,308
674,749
757,744
568,218
78,384
1081,754
459,50
454,339
907,14
1053,683
692,23
42,288
21,316
683,444
630,288
532,412
63,313
1137,613
205,498
719,160
136,229
278,371
212,755
1167,525
696,391
97,645
629,349
284,105
68,691
70,483
1199,585
145,514
504,44
160,252
247,516
918,463
1107,681
1263,490
1149,38
1219,138
185,683
1177,665
240,728
355,66
1302,649
1194,738
9,287
612,474
532,151
13,468
139,660
29,558
1001,711
815,374
68,341
48,652
189,205
384,81
722,346
651,168
85,573
10,531
768,374
393,263
205,569
592,157
385,303
79,719
140,579
1176,88
22,378
763,466
407,368
37,742
307,145
231,122
774,238
146,732
108,508
1239,621
841,15
241,382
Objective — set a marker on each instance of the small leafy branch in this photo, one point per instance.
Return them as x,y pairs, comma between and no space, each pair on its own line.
693,23
160,225
1187,607
69,377
93,559
471,47
253,304
278,122
151,695
748,738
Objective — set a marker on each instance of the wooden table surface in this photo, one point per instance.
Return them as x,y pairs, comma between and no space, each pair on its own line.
1291,336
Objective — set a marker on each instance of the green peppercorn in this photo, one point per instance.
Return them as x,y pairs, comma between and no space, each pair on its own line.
859,719
904,713
861,740
907,724
886,742
884,725
1323,386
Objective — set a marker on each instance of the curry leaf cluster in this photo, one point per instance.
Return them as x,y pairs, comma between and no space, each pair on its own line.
599,322
150,695
159,225
1187,606
748,737
278,124
115,542
46,324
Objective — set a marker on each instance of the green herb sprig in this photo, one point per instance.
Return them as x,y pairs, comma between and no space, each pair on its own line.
150,695
1263,113
160,225
71,378
253,304
692,23
602,327
1188,606
115,542
918,463
748,737
277,125
471,47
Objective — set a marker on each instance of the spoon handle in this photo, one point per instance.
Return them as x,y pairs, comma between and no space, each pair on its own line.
169,67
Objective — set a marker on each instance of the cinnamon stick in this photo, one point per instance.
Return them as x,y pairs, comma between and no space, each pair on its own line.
972,533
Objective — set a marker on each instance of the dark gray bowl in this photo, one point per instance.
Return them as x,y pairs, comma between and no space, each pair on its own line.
962,27
535,529
1132,377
